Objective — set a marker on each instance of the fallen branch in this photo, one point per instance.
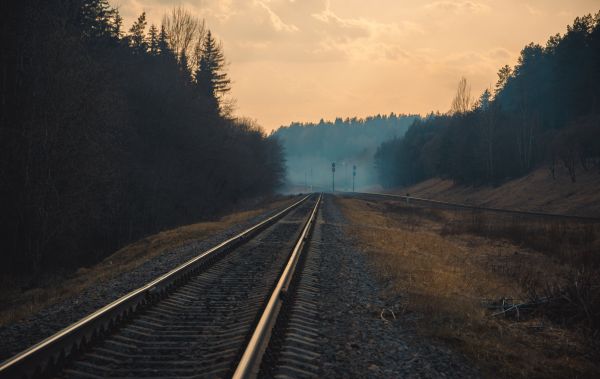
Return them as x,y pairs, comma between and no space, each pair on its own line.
389,310
508,307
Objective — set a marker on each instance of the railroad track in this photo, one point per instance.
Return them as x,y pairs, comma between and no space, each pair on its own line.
444,204
214,316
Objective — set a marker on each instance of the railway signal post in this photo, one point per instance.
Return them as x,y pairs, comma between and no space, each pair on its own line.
332,176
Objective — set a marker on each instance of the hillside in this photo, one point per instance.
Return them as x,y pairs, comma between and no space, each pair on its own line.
537,191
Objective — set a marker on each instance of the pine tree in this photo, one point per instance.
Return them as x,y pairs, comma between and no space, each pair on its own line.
153,40
503,75
484,100
211,80
96,19
116,25
163,42
136,36
184,67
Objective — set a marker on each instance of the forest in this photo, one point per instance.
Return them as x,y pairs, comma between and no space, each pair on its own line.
310,148
109,133
543,111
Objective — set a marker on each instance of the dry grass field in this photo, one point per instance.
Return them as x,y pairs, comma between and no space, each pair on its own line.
16,303
450,271
537,191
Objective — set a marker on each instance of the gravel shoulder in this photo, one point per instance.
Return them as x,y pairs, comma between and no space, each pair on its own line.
361,336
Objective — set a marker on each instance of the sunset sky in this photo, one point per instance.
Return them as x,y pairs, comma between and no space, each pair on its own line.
302,60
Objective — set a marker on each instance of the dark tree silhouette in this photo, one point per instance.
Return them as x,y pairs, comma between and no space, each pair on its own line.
103,141
136,36
116,26
544,110
163,43
211,79
153,40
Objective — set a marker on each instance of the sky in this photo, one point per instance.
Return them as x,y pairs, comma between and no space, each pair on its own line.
303,60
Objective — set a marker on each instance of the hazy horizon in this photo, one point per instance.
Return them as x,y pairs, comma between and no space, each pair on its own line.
324,59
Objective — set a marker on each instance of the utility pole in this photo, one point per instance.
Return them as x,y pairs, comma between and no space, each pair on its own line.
332,176
353,176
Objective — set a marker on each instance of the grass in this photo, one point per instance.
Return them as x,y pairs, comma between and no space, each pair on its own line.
537,191
573,242
17,304
441,274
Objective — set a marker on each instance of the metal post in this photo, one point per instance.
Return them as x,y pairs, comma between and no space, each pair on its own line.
332,176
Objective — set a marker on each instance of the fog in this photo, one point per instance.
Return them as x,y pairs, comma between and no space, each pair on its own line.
310,149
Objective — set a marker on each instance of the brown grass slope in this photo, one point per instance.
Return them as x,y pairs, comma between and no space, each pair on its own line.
537,191
439,268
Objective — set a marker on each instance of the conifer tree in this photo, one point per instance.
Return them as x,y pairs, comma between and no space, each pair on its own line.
485,99
95,19
503,75
163,42
136,36
153,40
211,80
116,25
184,67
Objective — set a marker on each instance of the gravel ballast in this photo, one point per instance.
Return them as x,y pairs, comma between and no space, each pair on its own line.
357,342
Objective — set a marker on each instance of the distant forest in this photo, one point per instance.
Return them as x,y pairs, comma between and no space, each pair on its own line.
311,148
109,133
543,111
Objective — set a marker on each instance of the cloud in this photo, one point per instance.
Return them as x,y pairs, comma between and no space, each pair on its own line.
278,24
533,10
339,28
363,39
290,30
458,6
501,54
395,53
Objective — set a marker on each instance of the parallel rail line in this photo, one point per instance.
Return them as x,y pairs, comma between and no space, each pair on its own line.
211,316
475,207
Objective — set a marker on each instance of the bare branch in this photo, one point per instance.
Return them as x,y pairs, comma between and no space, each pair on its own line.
462,102
185,33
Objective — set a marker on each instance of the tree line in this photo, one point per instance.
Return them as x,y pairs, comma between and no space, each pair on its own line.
543,111
107,134
310,148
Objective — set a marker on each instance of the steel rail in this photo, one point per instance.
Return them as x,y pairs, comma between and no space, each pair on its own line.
249,364
477,207
51,351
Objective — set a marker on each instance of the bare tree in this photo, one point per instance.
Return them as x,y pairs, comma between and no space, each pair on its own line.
186,33
462,102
